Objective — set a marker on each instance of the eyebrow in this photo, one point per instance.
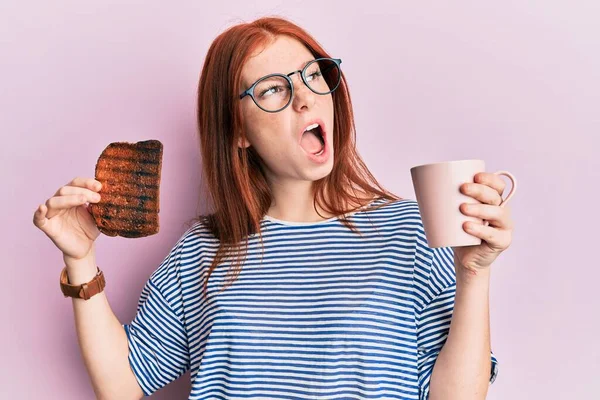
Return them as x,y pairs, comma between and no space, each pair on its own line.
306,62
285,73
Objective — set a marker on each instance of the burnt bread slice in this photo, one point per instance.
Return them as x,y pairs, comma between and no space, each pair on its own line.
130,177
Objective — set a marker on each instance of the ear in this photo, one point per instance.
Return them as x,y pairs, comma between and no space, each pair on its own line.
243,143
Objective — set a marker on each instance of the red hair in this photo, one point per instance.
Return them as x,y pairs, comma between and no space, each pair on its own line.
235,180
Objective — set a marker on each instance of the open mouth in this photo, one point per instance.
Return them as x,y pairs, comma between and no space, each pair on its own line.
313,140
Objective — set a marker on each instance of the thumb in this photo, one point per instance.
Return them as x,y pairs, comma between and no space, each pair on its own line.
39,217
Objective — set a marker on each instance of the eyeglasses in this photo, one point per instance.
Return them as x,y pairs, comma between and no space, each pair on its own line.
274,92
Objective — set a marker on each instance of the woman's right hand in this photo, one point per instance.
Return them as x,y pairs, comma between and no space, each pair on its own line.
65,218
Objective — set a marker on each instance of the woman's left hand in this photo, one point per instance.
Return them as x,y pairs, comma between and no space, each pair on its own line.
497,236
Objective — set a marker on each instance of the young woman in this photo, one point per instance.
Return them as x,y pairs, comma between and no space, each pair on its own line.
309,280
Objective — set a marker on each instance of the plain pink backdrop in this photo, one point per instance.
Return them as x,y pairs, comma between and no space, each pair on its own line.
516,83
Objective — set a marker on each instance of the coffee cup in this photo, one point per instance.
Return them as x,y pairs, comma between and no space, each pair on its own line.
437,188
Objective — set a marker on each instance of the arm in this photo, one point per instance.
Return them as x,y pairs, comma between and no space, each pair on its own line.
66,219
462,369
102,340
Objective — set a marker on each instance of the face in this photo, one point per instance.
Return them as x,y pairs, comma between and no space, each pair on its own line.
277,137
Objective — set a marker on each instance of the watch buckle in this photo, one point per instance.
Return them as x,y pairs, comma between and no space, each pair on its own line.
84,290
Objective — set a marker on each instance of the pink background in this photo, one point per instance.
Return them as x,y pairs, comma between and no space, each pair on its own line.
516,83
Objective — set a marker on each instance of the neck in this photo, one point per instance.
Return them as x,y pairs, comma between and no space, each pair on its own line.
294,202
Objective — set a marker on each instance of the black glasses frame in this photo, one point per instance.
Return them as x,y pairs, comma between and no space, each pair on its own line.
250,90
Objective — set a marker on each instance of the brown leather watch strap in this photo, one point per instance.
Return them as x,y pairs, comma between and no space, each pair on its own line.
84,291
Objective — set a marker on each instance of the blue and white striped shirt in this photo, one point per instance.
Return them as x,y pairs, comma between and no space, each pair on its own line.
328,315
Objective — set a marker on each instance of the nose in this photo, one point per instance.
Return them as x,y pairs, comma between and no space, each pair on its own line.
304,98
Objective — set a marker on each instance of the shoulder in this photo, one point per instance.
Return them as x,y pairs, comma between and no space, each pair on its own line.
401,221
186,248
401,213
197,234
435,264
406,212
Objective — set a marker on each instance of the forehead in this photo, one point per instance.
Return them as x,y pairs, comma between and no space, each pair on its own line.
283,55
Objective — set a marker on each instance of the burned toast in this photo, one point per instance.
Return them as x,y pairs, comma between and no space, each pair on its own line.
130,177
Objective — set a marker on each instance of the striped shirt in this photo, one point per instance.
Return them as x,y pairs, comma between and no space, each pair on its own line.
329,314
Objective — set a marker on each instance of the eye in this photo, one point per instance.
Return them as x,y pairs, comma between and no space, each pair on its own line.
272,90
314,75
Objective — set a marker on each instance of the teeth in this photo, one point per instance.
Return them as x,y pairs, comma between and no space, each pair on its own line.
313,126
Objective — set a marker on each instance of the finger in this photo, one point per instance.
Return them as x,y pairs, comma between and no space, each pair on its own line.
89,183
59,203
89,209
39,217
492,180
497,216
497,239
482,193
70,190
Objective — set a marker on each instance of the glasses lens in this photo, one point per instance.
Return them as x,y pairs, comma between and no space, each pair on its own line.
272,93
323,76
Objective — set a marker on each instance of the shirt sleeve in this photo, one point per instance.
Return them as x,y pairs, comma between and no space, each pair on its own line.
157,339
435,288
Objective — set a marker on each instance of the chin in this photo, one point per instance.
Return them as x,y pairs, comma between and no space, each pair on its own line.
321,171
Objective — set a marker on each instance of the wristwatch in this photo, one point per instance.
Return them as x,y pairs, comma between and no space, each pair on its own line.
84,291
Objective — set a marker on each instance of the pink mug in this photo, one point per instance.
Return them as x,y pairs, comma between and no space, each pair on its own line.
437,188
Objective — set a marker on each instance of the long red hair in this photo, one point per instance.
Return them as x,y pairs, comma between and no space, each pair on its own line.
239,193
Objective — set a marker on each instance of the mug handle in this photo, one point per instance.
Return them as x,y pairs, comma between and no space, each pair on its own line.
513,180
